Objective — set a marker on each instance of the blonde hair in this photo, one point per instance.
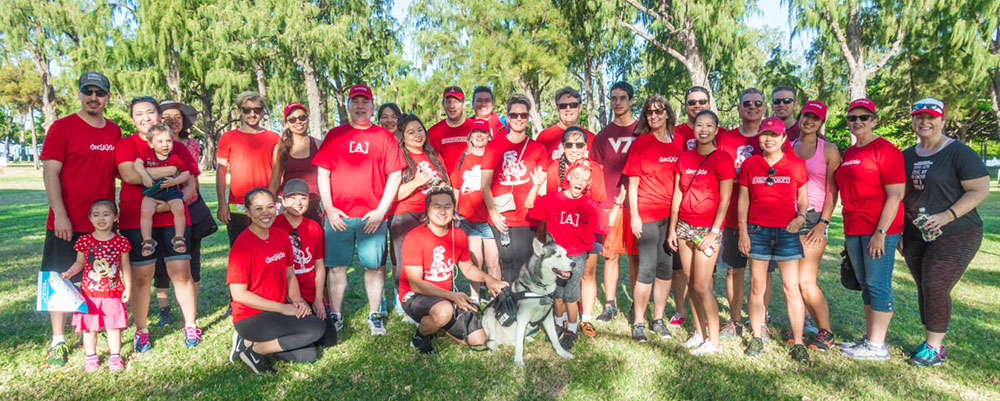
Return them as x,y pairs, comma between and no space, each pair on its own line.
158,129
247,96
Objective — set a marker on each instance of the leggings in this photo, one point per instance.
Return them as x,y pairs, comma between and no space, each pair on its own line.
936,268
295,336
515,256
653,258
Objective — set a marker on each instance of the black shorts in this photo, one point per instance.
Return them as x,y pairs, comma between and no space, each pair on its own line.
730,256
417,306
162,236
58,255
237,223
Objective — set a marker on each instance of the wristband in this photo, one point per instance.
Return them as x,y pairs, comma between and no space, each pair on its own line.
824,221
803,215
953,214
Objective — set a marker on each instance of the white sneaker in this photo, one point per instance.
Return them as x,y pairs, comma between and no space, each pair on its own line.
408,319
376,325
706,348
694,341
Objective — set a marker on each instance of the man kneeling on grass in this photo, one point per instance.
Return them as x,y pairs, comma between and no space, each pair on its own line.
429,253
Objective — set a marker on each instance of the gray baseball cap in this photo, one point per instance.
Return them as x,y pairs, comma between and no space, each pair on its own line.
296,186
95,79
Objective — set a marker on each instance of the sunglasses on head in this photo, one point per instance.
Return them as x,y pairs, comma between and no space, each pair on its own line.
693,102
658,112
864,117
574,145
928,106
754,103
296,241
770,176
256,110
90,91
136,99
301,118
570,105
785,100
518,116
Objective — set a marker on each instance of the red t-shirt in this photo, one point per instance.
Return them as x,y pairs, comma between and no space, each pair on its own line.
686,133
598,191
87,155
654,163
304,256
151,160
249,158
437,255
260,264
610,150
512,164
572,223
701,195
130,197
102,266
773,205
496,127
551,139
740,148
359,162
468,179
415,202
862,178
449,141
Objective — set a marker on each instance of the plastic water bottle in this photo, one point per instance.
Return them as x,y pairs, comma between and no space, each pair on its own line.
697,240
927,235
505,238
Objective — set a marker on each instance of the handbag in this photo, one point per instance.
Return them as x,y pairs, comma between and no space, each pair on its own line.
847,277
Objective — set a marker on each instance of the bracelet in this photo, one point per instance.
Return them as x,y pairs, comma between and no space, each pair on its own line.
824,221
955,215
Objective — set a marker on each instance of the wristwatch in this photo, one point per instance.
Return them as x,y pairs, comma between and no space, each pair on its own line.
715,230
879,231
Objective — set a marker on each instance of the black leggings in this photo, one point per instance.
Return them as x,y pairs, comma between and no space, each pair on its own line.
936,267
653,258
296,337
515,256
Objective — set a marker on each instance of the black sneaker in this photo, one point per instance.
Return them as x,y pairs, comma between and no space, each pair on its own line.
239,345
755,348
422,343
609,313
257,362
567,339
164,318
561,328
639,332
660,328
799,353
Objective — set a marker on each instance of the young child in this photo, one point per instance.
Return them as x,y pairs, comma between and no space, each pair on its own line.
103,257
161,143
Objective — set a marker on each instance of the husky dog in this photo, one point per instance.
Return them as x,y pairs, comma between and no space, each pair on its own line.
538,278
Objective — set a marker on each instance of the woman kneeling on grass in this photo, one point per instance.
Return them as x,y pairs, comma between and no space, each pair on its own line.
261,279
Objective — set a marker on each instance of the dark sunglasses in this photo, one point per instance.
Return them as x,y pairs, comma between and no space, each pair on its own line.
135,100
770,176
301,118
257,110
755,103
571,105
785,100
296,241
658,112
864,117
574,145
518,116
90,91
928,106
697,101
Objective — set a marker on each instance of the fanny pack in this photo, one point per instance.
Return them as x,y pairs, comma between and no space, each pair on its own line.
506,307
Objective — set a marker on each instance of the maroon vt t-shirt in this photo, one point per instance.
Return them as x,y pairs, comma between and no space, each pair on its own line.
610,149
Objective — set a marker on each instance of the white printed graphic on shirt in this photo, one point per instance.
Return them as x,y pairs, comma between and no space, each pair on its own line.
616,143
440,269
742,154
920,173
514,170
426,168
472,180
300,258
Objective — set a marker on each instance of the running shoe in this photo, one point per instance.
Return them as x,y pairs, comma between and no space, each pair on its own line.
765,333
376,324
823,341
731,329
789,337
91,363
609,313
659,328
56,355
567,339
917,350
588,329
755,348
799,353
868,351
694,341
239,345
706,348
164,318
854,344
115,363
257,362
639,332
141,343
927,356
338,322
810,326
677,320
192,336
561,328
408,319
422,343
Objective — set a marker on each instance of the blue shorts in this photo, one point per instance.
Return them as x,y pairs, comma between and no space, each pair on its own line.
340,245
164,249
481,230
168,194
773,243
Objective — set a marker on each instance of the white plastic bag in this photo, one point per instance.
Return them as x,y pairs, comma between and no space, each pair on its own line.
56,294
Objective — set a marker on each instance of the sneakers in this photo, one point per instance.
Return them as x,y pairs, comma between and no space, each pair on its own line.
810,326
639,332
192,336
422,343
694,341
854,344
823,341
561,328
659,328
567,339
588,329
56,355
407,319
164,318
677,320
926,356
141,343
239,345
867,350
91,363
799,353
756,347
789,337
706,348
609,313
115,363
257,362
376,324
338,322
731,329
765,333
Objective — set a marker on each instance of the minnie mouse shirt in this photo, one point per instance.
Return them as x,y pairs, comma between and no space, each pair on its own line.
102,276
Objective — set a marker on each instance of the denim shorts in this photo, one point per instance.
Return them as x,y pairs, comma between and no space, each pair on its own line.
340,245
773,243
481,230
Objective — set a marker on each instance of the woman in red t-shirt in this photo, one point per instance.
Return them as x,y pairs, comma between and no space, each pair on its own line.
423,171
703,185
269,314
292,158
650,170
467,179
771,210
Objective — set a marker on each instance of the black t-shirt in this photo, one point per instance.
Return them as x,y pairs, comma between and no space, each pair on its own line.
935,183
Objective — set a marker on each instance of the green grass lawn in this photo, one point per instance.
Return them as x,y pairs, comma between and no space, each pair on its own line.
610,367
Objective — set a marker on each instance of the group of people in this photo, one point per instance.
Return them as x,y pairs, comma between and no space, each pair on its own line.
680,199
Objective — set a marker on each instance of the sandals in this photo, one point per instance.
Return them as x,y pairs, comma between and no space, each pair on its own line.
178,244
148,247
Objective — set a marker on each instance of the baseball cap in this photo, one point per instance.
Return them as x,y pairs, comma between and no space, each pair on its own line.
773,124
296,186
293,106
455,92
360,90
95,79
866,103
479,125
928,105
815,107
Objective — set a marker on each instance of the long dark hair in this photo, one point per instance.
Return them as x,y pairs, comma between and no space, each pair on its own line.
563,161
411,166
285,143
655,100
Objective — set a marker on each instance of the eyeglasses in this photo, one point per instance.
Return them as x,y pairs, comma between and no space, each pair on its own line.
135,100
864,117
693,102
89,91
755,103
928,106
256,110
571,105
658,112
301,118
770,176
518,116
785,100
574,145
296,241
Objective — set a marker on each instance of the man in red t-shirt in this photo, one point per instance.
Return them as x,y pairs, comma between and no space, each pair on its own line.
696,99
482,105
429,256
78,162
448,136
244,153
568,109
786,108
360,167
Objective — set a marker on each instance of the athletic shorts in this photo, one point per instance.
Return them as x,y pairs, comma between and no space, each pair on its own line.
164,249
340,245
58,255
417,306
730,256
569,290
620,239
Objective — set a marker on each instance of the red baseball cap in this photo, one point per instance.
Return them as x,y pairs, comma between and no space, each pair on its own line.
773,124
360,90
479,125
866,103
928,105
815,107
455,92
293,106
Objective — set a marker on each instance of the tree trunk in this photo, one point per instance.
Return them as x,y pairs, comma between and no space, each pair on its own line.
603,115
258,67
533,94
312,95
211,132
48,92
324,101
338,98
995,96
30,124
20,140
173,77
588,89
